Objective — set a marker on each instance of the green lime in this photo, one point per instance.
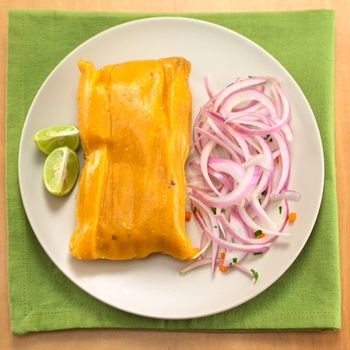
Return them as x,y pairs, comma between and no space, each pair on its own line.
56,136
61,171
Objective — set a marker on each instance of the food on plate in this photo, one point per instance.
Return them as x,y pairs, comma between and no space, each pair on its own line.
50,138
61,171
238,172
134,120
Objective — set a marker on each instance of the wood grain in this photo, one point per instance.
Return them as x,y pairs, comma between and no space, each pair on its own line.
123,339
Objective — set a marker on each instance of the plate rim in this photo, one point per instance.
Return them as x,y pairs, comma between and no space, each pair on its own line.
240,37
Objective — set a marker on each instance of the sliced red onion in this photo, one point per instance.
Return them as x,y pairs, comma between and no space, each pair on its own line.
204,242
242,116
231,256
219,128
220,143
288,195
250,95
223,178
250,104
257,160
244,269
222,243
202,189
199,123
264,130
235,230
208,88
285,211
231,89
204,165
278,122
277,100
276,175
285,160
243,145
287,132
203,249
206,261
240,146
254,226
261,213
243,189
285,104
214,229
265,179
227,166
236,246
198,263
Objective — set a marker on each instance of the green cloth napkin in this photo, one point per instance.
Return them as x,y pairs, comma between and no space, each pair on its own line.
42,298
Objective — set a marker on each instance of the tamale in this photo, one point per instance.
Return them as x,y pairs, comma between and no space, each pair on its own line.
134,120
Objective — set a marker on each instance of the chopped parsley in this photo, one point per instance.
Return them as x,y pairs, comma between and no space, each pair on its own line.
255,275
268,138
234,261
257,253
213,210
280,209
194,209
257,233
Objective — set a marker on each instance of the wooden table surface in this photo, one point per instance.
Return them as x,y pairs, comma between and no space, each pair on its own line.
133,340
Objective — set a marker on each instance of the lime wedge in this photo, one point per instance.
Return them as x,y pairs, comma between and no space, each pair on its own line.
61,171
56,136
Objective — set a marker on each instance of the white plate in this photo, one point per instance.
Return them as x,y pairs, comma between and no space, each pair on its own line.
153,287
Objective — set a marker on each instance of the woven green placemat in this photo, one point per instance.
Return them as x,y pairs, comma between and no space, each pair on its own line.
42,298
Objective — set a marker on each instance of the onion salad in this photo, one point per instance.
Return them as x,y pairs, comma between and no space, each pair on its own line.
237,170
